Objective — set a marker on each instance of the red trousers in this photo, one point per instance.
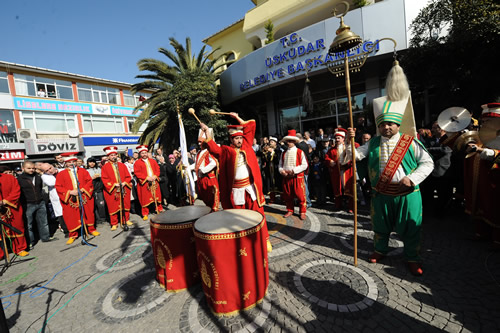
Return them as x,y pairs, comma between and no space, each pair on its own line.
208,190
294,187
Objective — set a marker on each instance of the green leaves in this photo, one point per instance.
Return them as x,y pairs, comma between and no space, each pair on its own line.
186,81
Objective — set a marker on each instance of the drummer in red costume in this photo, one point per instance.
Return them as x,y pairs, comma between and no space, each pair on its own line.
205,168
147,172
11,213
239,178
66,187
117,182
341,175
293,164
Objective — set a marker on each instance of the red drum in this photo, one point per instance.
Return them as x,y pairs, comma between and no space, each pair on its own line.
232,258
174,247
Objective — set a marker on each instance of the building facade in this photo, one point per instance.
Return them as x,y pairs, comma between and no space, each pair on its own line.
45,112
270,80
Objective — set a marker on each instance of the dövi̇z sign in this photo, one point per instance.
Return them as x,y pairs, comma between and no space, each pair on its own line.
53,146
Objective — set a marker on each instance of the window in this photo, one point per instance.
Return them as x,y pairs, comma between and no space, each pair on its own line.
131,123
139,97
42,87
4,83
48,122
98,94
128,98
230,57
100,124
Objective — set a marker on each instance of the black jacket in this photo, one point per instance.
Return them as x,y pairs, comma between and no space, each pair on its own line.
30,193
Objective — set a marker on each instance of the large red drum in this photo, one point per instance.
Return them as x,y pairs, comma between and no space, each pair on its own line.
232,258
174,247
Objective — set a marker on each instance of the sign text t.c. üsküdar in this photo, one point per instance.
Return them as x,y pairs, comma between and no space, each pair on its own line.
296,49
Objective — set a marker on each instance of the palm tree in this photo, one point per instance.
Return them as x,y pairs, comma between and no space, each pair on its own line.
189,82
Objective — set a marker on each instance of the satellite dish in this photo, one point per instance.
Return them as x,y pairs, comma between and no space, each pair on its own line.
73,133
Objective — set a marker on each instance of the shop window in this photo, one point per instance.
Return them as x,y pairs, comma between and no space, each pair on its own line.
4,83
28,85
100,124
47,122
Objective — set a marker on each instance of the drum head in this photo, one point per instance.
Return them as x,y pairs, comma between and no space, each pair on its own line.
181,215
228,221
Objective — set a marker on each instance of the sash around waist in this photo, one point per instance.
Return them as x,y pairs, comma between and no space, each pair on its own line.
240,183
393,189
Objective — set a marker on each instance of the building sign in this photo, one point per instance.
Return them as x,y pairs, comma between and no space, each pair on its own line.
110,140
53,146
306,56
11,155
306,50
7,127
40,104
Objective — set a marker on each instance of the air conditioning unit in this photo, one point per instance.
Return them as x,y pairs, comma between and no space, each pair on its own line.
25,134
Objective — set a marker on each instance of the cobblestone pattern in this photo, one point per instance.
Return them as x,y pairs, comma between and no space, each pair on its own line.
313,285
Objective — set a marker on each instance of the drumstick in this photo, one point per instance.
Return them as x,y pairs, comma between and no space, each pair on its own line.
212,112
191,111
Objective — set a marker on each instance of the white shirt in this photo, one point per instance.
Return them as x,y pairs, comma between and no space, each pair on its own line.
424,160
242,173
50,181
290,156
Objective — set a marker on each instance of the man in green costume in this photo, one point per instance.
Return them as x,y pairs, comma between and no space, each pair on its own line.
396,163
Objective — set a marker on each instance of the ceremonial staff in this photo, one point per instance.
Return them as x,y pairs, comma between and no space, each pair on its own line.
84,230
345,41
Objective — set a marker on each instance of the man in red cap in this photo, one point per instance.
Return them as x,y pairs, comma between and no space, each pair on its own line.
239,179
69,192
205,168
293,164
147,172
118,186
341,175
11,213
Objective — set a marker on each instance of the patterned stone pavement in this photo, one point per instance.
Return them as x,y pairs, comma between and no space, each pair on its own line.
314,286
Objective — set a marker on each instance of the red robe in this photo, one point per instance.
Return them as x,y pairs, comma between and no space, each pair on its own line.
207,186
226,155
111,192
340,175
70,204
13,213
148,193
481,192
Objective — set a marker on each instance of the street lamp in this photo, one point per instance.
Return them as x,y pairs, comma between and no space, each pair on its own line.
346,40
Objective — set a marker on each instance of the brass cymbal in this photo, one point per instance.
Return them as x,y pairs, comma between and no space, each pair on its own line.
490,133
454,119
466,138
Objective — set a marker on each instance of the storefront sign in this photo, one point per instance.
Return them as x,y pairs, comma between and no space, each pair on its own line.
7,127
53,146
11,155
39,104
110,140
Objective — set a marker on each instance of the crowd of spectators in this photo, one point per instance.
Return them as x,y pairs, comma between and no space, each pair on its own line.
42,207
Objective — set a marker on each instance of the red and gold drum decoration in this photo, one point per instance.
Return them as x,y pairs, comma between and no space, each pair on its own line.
174,247
232,257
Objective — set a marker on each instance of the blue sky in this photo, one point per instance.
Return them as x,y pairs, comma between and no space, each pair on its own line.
105,38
